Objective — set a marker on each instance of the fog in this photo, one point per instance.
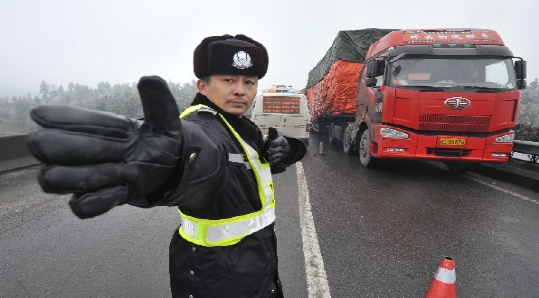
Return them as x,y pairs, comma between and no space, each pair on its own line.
87,42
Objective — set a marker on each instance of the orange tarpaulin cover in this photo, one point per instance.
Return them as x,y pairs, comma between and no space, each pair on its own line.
336,93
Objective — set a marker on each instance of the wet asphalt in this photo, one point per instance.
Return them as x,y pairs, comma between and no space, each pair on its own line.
382,233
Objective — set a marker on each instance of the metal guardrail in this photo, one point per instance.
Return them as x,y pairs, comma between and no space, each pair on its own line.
527,147
14,154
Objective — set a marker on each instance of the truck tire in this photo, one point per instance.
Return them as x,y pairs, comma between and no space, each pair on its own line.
364,156
347,145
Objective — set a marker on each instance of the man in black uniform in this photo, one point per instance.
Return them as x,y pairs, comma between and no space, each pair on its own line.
213,164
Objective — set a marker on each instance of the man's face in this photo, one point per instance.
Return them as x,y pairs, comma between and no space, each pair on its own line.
234,94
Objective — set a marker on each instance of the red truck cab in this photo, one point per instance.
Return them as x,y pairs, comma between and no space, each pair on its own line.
450,95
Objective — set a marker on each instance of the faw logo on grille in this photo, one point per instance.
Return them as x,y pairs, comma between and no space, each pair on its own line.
457,103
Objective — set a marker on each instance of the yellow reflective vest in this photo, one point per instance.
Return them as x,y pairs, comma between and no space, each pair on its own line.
229,231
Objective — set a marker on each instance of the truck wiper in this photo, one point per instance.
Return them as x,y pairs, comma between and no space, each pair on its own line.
426,88
483,89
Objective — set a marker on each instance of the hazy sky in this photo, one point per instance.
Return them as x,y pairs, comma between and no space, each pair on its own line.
118,41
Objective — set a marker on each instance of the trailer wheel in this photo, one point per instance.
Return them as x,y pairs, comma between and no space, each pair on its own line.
366,159
347,145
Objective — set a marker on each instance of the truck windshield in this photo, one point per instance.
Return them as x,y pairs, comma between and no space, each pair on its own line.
453,73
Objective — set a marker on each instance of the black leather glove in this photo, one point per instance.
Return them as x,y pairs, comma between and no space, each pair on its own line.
104,159
278,150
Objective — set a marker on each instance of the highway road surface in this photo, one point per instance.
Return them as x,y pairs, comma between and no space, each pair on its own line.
343,231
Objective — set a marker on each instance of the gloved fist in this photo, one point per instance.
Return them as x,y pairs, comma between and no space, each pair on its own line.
104,159
278,149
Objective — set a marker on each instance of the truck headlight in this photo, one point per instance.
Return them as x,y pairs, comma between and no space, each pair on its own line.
508,138
392,133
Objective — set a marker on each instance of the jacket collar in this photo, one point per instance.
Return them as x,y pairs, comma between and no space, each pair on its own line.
245,127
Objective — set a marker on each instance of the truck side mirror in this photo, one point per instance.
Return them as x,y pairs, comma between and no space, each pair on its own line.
380,67
371,69
375,68
520,71
370,82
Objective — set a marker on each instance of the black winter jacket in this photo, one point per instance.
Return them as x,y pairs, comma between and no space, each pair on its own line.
207,185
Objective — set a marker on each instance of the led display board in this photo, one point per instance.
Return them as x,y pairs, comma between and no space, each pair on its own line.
281,104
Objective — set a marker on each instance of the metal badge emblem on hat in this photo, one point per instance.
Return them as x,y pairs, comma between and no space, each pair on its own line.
242,60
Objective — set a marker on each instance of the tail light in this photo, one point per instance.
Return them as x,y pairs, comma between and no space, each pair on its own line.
308,127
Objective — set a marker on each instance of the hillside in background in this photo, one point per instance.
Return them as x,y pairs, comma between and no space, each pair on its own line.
123,99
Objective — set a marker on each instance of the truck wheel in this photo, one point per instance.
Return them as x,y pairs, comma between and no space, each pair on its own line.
347,145
366,159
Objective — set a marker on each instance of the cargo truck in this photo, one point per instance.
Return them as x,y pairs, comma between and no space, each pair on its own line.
449,95
331,88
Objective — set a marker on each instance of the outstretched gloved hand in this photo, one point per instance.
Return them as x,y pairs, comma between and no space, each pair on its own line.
279,148
104,159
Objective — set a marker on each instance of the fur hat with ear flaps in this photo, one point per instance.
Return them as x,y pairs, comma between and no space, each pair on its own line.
229,54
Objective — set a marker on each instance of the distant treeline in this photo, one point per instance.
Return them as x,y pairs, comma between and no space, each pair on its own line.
526,133
527,128
118,98
124,99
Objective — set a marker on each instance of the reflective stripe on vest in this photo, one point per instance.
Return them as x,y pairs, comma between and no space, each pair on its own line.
229,231
238,158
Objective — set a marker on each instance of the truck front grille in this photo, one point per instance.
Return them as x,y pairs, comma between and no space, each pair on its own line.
457,123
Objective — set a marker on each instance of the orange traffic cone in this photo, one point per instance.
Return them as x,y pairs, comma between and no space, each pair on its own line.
443,285
321,149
